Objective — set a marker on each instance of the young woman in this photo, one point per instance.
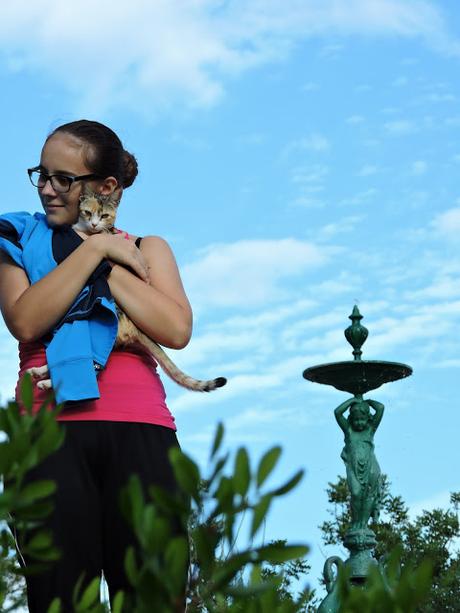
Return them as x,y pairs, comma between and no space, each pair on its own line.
128,428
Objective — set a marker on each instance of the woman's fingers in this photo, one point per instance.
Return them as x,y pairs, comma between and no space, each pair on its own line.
140,267
125,252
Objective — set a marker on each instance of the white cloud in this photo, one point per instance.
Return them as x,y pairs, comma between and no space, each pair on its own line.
419,167
252,138
452,121
400,82
311,86
331,51
362,88
236,386
409,61
355,119
347,224
400,127
149,54
447,224
249,273
436,97
433,322
313,142
189,142
443,287
440,500
307,174
363,197
367,170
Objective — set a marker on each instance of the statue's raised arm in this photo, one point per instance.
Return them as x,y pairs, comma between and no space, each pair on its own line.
377,417
339,413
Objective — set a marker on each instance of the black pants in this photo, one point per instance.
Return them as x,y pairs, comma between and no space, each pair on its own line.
95,461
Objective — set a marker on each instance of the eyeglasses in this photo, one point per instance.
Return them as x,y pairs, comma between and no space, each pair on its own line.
60,183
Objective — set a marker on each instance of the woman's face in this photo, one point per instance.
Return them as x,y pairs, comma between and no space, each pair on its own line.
62,154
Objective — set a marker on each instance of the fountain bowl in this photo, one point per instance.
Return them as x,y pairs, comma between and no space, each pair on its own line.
358,376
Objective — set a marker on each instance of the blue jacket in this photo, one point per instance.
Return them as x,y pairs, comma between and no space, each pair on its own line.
87,332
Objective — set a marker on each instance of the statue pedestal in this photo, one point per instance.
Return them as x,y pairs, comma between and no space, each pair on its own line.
360,542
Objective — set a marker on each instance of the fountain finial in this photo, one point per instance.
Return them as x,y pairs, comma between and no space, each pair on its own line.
356,334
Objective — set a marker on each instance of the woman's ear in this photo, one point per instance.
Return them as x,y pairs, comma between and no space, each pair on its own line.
108,186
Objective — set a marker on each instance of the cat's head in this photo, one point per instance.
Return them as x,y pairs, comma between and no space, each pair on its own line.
96,213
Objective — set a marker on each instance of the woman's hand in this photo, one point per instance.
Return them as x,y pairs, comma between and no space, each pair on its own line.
160,309
115,248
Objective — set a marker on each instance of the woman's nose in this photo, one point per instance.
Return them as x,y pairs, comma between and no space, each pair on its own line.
47,189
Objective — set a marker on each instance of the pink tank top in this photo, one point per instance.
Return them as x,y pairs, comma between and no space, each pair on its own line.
130,389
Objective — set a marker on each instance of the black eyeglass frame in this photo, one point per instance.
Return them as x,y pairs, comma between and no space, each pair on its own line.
70,178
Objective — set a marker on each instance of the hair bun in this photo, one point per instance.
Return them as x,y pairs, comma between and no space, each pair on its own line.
130,168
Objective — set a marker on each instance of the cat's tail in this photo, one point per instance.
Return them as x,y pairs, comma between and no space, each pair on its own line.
129,335
197,385
181,378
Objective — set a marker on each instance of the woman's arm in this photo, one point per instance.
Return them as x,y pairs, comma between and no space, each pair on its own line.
30,311
160,309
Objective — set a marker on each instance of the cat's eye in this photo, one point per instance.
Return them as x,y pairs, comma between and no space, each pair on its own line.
104,216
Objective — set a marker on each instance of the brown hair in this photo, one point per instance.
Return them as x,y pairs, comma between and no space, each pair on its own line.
105,155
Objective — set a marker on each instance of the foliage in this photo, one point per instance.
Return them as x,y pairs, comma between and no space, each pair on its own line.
220,501
432,536
292,572
254,578
27,440
388,592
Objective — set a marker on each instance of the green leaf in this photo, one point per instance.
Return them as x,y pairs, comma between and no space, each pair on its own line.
289,485
186,472
41,540
244,592
50,440
259,513
279,553
267,464
423,579
90,595
242,472
132,501
224,494
220,464
205,539
176,561
117,605
26,393
217,439
228,569
131,566
55,606
37,491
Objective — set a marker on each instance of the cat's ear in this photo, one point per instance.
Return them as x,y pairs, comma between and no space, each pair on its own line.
87,193
108,186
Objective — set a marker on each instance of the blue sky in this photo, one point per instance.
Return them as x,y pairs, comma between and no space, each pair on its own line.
298,156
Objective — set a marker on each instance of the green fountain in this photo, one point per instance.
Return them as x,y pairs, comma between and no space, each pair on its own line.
364,479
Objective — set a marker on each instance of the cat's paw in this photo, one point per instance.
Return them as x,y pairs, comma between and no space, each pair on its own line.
45,384
37,372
